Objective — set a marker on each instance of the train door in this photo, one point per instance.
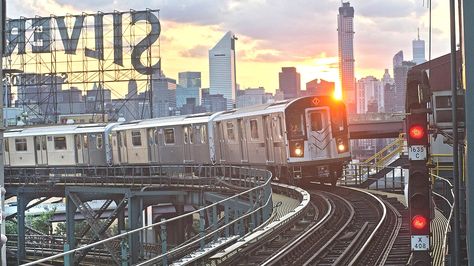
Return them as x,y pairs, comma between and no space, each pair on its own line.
78,145
319,133
153,145
188,143
244,152
267,132
40,150
122,143
85,149
220,137
6,158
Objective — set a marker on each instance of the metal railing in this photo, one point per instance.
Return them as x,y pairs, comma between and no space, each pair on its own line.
450,204
355,174
239,184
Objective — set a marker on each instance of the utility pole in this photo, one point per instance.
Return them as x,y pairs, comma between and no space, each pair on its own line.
454,96
468,53
3,238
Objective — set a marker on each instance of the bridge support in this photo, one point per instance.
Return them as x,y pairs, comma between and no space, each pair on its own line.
134,213
22,202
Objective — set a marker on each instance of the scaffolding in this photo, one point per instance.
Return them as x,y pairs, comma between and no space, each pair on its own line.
99,63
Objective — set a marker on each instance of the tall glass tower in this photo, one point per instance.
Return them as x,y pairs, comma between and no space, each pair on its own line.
222,69
345,30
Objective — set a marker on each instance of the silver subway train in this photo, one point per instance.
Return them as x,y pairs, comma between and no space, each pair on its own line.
305,138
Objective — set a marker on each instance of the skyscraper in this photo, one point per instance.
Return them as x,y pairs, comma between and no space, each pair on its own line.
222,69
290,82
400,71
189,88
369,94
345,29
419,50
164,95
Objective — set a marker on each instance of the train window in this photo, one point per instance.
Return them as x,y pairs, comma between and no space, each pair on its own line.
38,143
169,135
21,145
296,126
316,121
60,143
230,131
136,138
78,141
7,147
280,127
253,129
86,141
151,137
203,134
156,132
191,135
43,142
99,142
119,139
186,134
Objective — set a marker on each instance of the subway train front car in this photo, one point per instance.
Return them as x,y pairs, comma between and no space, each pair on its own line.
317,139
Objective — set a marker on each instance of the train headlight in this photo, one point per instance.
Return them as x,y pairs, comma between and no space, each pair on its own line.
296,149
298,152
341,147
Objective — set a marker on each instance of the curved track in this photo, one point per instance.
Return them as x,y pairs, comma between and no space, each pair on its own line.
350,226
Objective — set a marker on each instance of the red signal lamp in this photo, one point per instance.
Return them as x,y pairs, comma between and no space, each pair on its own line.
419,222
417,132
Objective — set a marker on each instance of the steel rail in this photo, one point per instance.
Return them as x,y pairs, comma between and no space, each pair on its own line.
374,232
293,244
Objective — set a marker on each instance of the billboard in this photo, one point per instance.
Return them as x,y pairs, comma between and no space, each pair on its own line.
82,63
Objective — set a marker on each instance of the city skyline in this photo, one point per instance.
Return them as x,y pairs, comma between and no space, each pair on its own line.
260,51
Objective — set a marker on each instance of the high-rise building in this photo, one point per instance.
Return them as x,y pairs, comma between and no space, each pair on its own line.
386,79
97,99
164,95
319,87
400,71
290,82
345,29
369,95
222,69
189,88
70,101
419,50
253,96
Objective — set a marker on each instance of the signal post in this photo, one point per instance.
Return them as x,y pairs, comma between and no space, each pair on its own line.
419,185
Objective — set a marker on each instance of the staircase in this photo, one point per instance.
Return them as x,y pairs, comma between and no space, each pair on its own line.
379,165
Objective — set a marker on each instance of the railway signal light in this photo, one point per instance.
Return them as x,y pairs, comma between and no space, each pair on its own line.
419,222
417,127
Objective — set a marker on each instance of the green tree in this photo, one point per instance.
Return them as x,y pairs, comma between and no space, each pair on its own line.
42,222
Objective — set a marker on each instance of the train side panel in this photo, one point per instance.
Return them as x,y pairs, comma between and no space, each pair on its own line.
22,151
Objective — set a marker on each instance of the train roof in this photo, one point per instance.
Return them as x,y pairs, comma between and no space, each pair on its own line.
166,121
255,110
55,130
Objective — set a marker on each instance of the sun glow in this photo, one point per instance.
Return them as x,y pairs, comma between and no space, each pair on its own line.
338,91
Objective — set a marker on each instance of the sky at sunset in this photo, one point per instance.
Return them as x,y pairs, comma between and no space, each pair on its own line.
272,34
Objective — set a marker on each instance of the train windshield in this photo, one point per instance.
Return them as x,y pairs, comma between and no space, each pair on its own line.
296,129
